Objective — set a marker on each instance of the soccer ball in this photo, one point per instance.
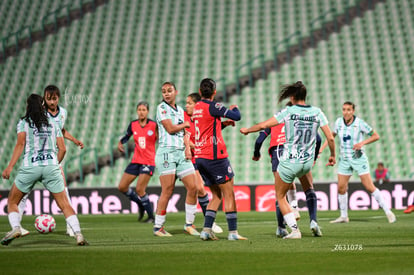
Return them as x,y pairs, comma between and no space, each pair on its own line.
45,224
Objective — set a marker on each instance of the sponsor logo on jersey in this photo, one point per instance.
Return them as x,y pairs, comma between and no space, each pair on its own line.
42,157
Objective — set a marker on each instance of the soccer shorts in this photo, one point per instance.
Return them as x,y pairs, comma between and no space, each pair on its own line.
137,169
277,152
172,161
215,171
289,171
347,166
51,177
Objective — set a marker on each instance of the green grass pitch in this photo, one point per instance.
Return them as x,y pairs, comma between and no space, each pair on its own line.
121,245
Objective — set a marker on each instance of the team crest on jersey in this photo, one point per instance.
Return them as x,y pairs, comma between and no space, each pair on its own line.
229,169
166,164
218,106
150,133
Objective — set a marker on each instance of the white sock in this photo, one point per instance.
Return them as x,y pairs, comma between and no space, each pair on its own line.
22,205
291,221
74,223
190,212
14,219
159,220
378,197
343,204
291,197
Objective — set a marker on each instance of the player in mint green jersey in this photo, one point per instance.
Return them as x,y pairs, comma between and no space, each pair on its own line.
173,160
41,141
352,132
59,114
302,122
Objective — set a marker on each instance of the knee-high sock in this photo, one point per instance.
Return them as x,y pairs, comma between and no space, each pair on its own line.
279,217
203,201
343,204
147,205
378,197
312,204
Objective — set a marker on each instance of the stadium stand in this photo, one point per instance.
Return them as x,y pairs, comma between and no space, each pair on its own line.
110,59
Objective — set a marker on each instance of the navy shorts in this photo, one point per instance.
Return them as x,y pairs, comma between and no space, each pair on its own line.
195,166
277,152
137,169
215,171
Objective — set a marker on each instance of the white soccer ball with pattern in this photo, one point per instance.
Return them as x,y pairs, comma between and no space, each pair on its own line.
45,224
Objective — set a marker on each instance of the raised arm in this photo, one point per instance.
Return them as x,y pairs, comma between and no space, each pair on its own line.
260,126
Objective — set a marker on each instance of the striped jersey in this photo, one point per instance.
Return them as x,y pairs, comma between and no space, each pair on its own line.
166,140
350,135
40,148
60,117
145,138
301,128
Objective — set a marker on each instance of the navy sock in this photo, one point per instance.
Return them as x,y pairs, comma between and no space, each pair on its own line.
209,218
311,203
231,220
279,217
147,205
203,201
132,195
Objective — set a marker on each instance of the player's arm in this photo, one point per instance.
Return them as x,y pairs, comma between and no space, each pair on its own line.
187,150
325,143
17,152
260,126
259,141
373,136
125,138
60,142
174,128
226,123
330,140
218,110
68,136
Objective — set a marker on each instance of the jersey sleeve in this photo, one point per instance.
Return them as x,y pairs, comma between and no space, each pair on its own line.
162,112
366,128
127,135
336,126
20,126
281,115
323,119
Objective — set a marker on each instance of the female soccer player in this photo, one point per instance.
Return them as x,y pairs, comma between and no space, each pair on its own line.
173,159
211,159
351,131
59,114
145,132
277,139
301,124
203,200
37,136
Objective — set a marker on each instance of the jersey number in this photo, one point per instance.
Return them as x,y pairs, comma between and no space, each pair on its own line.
303,137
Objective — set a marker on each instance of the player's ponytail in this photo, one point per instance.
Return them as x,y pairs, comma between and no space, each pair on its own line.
297,90
35,112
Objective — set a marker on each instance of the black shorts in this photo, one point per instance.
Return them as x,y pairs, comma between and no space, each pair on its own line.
277,152
215,171
137,169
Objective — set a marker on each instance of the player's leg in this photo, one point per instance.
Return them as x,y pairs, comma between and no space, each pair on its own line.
130,174
281,188
342,198
22,207
142,184
211,212
69,230
311,202
14,198
167,182
376,193
291,197
189,182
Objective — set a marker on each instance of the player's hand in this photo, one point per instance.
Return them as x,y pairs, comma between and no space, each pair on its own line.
357,146
186,124
79,143
331,161
255,158
231,107
229,122
6,173
244,131
121,147
188,154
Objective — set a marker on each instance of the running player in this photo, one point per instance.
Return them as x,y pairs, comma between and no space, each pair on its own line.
142,165
211,158
277,139
301,124
203,199
173,159
351,131
51,97
38,136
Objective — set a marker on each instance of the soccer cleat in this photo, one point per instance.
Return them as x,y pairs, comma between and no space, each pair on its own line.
206,235
24,232
160,232
80,240
295,234
11,235
281,232
190,229
149,220
409,209
296,213
141,212
236,237
315,229
216,228
69,231
391,217
340,220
